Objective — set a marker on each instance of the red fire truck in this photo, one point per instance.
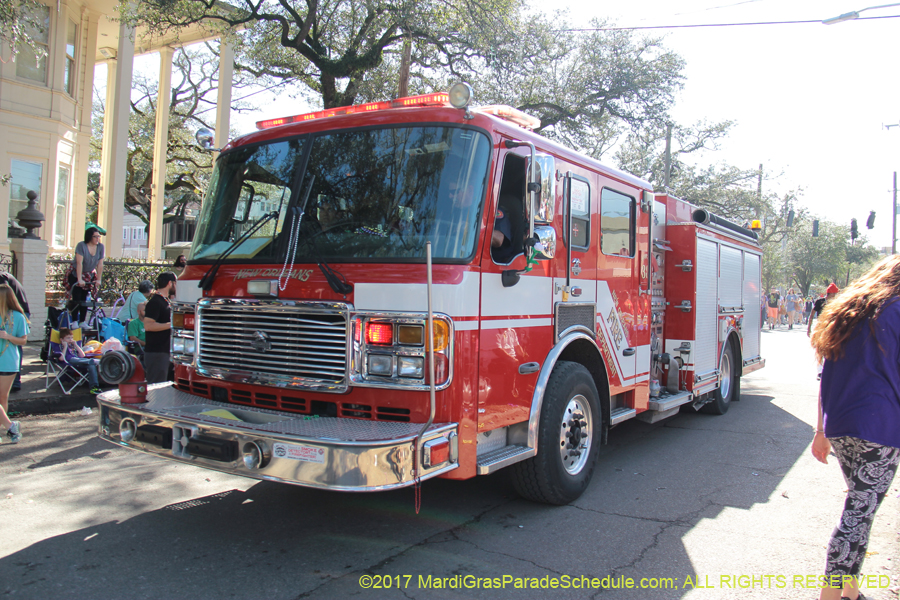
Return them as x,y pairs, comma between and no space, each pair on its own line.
381,294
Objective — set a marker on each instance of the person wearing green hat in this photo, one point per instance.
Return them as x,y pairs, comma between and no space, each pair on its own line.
84,275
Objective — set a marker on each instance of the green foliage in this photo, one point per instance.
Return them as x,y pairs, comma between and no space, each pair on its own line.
588,87
18,23
331,46
816,259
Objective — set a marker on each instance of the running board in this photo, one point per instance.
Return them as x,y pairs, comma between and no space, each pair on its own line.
669,401
503,457
665,407
621,414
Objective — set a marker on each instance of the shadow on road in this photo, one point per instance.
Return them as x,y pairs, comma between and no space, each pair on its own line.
653,486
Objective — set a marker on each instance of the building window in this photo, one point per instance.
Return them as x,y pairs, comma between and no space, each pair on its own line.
28,65
26,177
125,234
62,211
71,38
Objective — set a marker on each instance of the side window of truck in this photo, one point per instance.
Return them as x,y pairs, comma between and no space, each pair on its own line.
580,202
617,223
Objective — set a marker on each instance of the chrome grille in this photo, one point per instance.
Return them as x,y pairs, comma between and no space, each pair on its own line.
297,345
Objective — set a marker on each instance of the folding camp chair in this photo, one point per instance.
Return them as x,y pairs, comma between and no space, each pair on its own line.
66,375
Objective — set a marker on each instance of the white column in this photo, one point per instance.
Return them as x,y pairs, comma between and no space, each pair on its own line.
112,175
31,271
85,87
160,144
223,105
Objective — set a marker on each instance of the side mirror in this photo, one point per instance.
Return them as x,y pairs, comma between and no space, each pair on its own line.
544,242
205,139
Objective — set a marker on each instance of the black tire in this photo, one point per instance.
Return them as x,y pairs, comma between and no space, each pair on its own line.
730,386
548,477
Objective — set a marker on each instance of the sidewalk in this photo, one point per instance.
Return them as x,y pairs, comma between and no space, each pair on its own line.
34,398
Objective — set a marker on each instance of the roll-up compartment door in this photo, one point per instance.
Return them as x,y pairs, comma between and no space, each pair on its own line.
705,355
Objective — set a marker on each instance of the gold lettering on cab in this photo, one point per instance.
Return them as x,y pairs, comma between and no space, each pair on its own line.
298,274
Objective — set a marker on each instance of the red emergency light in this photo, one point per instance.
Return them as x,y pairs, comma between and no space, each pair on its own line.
380,334
438,99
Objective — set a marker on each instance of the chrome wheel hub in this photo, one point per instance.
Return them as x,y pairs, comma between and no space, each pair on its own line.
575,434
725,383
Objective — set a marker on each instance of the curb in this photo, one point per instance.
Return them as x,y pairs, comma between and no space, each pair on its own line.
52,404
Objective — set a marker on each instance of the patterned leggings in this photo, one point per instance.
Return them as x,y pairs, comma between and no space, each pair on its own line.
868,469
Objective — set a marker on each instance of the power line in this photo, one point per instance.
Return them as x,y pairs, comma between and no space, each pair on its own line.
819,21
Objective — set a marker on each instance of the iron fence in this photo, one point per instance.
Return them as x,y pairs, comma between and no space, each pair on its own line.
120,277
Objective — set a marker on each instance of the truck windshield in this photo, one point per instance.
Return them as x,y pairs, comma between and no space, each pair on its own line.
373,194
245,185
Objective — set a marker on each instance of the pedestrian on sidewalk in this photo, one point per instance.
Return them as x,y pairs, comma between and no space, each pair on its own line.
13,430
13,335
19,291
773,299
158,329
858,336
73,354
792,304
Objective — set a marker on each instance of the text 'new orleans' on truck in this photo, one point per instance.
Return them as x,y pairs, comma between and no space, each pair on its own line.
565,298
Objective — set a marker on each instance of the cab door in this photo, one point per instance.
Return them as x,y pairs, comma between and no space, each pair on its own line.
575,263
622,269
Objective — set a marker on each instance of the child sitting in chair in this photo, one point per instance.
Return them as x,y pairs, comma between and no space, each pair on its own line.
73,354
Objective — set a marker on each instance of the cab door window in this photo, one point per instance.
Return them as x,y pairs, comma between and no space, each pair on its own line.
580,205
617,223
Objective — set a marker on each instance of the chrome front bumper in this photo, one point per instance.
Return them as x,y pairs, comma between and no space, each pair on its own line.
320,452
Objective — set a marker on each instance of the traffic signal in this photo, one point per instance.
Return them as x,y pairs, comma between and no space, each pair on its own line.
870,222
790,218
816,228
854,230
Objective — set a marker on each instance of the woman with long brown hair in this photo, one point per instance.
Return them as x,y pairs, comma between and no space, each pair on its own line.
13,334
858,335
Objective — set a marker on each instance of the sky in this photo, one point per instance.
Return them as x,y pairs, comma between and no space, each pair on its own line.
810,101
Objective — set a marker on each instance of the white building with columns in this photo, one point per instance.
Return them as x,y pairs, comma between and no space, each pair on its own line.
45,122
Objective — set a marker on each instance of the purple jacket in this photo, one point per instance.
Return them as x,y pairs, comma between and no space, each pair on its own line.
861,390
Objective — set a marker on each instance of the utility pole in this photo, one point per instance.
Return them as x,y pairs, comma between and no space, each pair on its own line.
894,217
893,204
668,155
759,191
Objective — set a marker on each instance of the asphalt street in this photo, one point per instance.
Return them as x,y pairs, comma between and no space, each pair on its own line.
693,507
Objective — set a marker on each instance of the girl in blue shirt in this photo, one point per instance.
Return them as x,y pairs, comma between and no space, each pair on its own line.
13,334
858,335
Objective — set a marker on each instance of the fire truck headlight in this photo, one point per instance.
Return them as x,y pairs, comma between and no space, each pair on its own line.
380,365
411,366
177,345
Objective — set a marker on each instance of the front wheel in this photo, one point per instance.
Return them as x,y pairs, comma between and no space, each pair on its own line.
568,439
729,384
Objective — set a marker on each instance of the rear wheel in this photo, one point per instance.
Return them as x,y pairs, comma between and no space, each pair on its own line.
729,384
568,439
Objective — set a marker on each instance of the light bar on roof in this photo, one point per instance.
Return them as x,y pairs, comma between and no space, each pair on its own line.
513,115
439,99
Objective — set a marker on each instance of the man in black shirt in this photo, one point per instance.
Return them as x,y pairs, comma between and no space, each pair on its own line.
819,305
158,329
